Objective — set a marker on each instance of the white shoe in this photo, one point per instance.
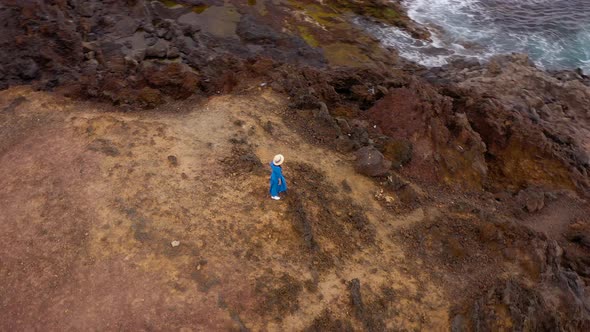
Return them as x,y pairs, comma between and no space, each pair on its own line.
276,198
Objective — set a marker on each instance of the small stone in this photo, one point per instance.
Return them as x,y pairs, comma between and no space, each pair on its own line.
175,243
323,113
173,160
344,126
344,144
382,89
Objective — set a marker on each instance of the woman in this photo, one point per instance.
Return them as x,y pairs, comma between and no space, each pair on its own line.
277,180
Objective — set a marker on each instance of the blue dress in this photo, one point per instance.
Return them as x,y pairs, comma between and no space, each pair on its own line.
277,180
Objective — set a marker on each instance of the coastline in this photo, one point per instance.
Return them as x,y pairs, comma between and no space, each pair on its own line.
474,213
481,30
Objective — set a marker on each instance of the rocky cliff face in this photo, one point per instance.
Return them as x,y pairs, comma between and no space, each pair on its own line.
544,119
111,51
501,145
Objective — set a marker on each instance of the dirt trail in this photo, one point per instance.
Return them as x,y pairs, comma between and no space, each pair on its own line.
92,199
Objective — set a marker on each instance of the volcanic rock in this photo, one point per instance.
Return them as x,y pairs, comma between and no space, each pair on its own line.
442,141
532,199
27,68
252,31
158,50
399,151
371,162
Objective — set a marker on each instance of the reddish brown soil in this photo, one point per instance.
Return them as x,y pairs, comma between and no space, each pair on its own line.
91,201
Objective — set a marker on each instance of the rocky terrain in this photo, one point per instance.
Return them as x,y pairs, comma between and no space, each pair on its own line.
134,137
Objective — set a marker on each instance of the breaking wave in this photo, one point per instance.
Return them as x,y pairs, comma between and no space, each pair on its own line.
554,33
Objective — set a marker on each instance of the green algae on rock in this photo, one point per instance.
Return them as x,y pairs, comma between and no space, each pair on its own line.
174,4
330,28
386,12
200,8
307,36
170,3
220,21
344,54
323,15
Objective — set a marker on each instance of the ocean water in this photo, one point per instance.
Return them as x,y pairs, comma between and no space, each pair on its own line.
554,33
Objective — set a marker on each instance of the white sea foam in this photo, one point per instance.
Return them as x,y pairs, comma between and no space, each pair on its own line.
555,33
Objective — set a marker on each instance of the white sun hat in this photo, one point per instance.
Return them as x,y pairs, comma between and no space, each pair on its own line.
278,159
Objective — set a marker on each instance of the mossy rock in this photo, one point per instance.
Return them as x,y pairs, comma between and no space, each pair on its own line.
323,15
170,3
200,8
346,55
399,151
309,38
385,12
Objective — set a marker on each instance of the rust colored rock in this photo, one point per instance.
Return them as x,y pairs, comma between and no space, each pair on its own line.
579,232
527,127
149,97
371,162
262,66
440,143
173,79
399,151
402,113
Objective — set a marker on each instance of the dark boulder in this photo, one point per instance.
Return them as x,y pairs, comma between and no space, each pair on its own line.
158,50
126,26
27,69
251,31
371,162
